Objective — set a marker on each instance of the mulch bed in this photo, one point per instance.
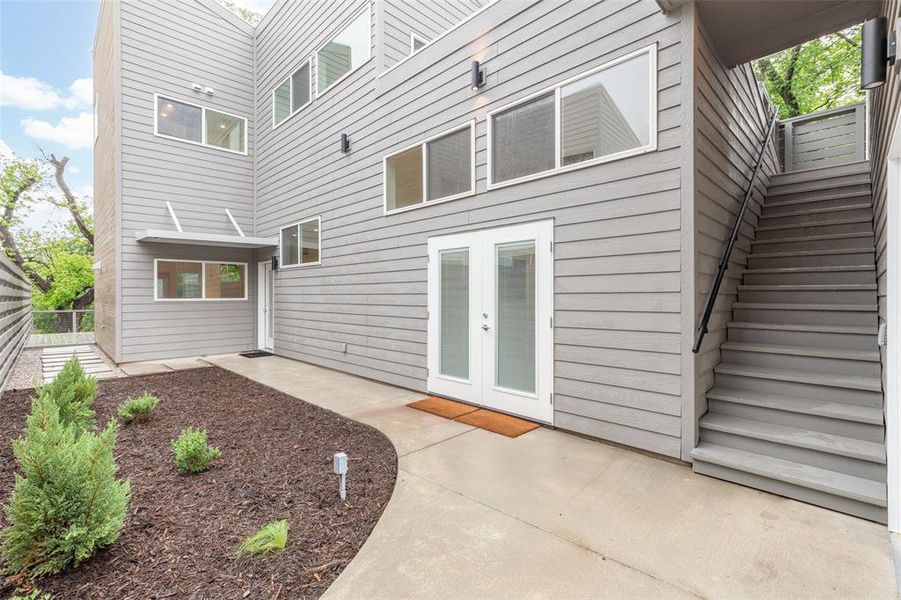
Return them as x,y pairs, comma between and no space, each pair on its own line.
181,531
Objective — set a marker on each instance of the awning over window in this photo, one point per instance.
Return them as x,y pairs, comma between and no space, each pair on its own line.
218,240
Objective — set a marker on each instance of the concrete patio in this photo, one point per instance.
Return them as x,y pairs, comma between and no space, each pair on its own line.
549,514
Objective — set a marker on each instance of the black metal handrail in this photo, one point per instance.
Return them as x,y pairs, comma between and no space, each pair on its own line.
727,252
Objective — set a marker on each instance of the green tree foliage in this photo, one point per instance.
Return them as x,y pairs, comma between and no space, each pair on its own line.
817,75
248,15
67,501
72,392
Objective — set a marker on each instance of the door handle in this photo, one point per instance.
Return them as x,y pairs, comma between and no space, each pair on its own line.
486,327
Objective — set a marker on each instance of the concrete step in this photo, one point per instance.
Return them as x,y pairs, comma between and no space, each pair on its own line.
806,215
826,199
863,255
66,350
832,241
807,407
863,274
847,293
802,358
848,225
818,336
838,491
860,167
843,315
827,387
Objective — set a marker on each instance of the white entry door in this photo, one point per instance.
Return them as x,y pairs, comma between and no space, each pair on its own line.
490,332
265,306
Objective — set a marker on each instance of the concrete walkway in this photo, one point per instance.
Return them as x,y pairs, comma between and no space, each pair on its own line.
553,515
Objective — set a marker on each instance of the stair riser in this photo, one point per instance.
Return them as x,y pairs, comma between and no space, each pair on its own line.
803,245
791,296
813,364
859,168
815,218
806,317
815,260
825,177
852,429
775,206
801,390
808,339
784,194
862,227
816,497
809,277
807,456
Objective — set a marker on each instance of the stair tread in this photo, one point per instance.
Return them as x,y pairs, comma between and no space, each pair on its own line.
796,436
814,269
807,306
871,415
862,166
815,224
863,355
804,327
817,211
841,380
816,186
823,252
823,198
814,238
811,286
864,490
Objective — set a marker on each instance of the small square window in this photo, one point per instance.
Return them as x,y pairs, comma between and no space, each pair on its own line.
179,120
224,131
300,243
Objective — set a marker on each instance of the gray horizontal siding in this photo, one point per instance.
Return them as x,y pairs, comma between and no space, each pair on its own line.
617,226
15,315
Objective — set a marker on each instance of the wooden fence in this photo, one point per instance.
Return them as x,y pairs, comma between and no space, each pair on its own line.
824,138
15,315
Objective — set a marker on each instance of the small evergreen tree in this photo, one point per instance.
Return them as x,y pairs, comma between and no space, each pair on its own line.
73,392
67,501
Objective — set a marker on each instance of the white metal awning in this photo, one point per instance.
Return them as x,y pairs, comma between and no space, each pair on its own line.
204,239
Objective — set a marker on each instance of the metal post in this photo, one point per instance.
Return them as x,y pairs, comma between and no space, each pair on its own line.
74,322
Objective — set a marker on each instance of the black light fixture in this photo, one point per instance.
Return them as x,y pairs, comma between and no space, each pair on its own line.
345,143
274,260
478,76
877,51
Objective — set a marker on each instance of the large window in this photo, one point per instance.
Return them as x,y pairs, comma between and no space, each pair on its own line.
605,114
199,125
291,95
345,52
440,168
199,280
299,243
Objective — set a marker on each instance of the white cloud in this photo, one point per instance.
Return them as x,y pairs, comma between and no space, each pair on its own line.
30,93
72,169
72,132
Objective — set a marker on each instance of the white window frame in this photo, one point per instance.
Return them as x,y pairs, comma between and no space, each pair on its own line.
413,38
203,110
292,112
368,12
425,176
651,146
203,263
281,262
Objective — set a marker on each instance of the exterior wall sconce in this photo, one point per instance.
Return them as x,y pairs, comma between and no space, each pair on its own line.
478,76
274,261
877,51
345,143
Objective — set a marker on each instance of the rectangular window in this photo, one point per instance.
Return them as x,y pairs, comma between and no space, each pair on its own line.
200,280
300,243
291,95
200,125
440,168
603,115
345,52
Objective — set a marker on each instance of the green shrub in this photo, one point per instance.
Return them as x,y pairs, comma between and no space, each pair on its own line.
192,453
67,501
272,536
73,392
35,594
138,410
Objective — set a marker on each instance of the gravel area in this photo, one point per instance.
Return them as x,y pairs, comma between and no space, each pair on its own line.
181,531
26,373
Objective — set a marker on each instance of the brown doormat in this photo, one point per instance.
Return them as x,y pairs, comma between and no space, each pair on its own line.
442,407
497,422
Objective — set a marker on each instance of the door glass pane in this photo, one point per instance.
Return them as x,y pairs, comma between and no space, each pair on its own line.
224,131
607,112
179,120
450,165
523,139
454,334
515,308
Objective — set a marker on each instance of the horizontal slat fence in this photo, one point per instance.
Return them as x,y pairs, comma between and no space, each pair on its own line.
822,139
15,315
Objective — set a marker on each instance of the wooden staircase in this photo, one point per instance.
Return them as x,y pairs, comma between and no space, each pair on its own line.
797,405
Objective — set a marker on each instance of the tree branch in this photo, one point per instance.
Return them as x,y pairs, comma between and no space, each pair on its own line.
59,166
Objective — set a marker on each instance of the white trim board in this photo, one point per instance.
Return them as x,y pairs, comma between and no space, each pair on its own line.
893,347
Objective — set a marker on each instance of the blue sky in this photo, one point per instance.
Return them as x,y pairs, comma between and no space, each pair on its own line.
46,95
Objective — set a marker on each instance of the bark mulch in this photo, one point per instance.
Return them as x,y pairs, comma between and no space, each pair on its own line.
181,531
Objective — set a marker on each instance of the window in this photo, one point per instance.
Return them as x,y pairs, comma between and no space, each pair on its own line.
300,243
608,113
416,42
199,280
200,125
440,168
345,52
291,95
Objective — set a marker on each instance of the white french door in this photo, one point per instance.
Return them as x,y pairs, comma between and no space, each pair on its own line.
265,306
490,332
